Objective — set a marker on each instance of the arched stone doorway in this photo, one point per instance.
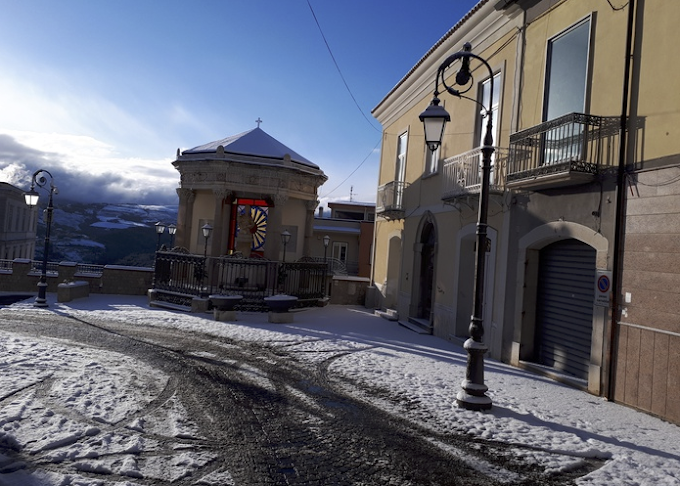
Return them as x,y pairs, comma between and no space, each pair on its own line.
391,287
425,270
564,307
535,250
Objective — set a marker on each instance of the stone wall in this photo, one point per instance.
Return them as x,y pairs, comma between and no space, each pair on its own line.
113,279
349,290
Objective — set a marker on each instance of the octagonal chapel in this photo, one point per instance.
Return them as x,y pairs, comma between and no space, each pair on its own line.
250,188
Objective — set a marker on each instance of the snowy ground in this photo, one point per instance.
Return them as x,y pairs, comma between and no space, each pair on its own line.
562,425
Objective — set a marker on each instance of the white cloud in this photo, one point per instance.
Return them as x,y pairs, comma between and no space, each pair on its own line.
86,169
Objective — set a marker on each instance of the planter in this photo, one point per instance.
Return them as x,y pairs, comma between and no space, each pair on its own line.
279,305
223,306
225,302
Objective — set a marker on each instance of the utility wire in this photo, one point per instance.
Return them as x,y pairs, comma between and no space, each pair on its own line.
338,68
352,173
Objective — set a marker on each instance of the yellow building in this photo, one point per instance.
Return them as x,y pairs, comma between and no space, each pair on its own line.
581,261
18,223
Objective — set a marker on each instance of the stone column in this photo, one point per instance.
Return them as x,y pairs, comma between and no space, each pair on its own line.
310,206
218,245
185,214
273,246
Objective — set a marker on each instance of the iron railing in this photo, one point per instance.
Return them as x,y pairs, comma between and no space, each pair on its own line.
390,200
179,277
463,173
335,265
572,143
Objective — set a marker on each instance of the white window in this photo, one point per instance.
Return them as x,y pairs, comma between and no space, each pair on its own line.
340,251
495,103
400,170
400,166
566,72
565,92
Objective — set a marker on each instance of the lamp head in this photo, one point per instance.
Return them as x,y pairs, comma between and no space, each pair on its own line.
285,237
207,229
160,228
31,197
326,240
434,120
172,229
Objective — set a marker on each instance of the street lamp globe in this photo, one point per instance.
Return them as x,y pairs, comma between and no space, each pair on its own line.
31,198
434,120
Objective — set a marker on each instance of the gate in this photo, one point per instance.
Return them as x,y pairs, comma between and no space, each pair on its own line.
564,323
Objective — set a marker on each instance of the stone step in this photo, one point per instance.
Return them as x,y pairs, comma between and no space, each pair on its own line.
389,314
421,326
169,305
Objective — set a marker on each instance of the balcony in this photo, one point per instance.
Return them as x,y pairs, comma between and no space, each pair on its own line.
462,174
566,151
390,203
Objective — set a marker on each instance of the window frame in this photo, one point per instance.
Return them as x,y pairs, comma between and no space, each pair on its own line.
340,248
548,73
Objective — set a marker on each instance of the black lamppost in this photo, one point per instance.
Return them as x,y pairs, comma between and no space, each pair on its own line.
172,229
31,198
206,229
285,238
473,395
326,241
160,229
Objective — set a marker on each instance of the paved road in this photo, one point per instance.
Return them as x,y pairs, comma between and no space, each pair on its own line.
271,419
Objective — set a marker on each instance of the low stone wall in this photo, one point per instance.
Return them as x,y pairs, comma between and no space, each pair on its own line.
349,290
114,279
68,291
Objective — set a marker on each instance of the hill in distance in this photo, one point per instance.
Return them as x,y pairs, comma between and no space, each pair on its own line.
105,233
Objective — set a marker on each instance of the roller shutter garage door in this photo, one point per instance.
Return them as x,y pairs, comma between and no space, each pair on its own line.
564,314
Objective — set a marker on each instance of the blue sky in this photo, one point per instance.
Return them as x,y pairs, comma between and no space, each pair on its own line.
102,94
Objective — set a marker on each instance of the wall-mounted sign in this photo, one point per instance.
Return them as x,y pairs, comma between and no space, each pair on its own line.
603,288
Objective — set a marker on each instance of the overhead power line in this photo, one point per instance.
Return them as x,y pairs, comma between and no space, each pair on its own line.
338,68
352,173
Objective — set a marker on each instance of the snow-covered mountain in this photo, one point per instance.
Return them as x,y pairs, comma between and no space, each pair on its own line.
105,233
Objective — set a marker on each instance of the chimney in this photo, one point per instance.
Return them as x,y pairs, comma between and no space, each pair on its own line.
320,211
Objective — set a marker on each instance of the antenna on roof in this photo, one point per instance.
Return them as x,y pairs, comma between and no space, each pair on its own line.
258,121
351,190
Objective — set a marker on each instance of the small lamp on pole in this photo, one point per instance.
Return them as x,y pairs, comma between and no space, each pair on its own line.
31,199
172,229
160,229
285,238
206,229
326,241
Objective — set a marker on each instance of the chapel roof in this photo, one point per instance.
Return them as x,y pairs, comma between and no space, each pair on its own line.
255,142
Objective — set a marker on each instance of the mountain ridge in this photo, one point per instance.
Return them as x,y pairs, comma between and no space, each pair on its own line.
105,233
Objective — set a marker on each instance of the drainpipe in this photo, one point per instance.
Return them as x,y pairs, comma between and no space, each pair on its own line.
617,269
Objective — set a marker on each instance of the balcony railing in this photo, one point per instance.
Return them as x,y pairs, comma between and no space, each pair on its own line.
567,150
463,173
390,203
